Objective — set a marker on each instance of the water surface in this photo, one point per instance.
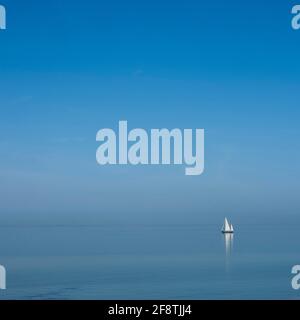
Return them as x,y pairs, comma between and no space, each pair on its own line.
149,262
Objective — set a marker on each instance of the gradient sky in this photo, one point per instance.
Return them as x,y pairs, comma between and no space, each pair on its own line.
70,68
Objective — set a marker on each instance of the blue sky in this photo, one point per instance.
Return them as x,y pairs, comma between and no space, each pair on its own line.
68,69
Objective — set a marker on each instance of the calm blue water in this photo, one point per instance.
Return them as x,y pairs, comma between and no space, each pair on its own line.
149,262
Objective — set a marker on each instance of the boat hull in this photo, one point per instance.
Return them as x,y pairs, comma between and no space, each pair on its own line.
227,231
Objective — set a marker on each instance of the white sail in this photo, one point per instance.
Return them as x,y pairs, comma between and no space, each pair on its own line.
227,227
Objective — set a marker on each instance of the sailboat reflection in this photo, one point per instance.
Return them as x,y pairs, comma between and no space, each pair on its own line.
228,238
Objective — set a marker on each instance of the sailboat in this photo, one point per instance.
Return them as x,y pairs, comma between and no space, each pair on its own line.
227,227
